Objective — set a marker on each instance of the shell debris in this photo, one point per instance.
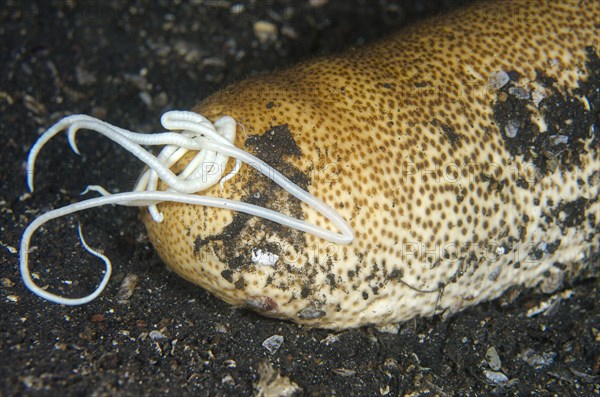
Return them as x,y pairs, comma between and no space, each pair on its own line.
272,384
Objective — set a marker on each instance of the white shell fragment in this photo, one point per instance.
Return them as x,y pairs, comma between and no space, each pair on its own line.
273,343
519,92
157,335
497,378
310,313
266,32
344,372
512,128
493,359
538,94
272,383
264,258
548,303
127,286
537,360
559,139
498,79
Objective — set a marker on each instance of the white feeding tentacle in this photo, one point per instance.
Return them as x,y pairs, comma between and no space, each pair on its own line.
168,156
127,141
197,175
214,144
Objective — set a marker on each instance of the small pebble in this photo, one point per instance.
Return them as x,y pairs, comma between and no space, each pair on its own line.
390,363
273,343
127,286
11,249
512,128
492,358
97,318
61,346
519,92
537,360
237,8
7,283
271,383
498,79
559,139
157,335
393,328
228,380
538,94
310,312
141,323
265,32
345,372
497,378
329,339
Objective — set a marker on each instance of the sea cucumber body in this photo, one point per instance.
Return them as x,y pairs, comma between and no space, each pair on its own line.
459,183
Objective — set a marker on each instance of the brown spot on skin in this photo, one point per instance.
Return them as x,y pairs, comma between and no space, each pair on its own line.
406,139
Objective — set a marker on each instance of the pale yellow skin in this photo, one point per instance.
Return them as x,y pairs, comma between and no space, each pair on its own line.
371,125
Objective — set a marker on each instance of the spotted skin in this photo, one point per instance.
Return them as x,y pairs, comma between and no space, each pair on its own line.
407,139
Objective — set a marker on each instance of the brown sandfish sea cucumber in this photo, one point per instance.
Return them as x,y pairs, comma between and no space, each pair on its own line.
457,158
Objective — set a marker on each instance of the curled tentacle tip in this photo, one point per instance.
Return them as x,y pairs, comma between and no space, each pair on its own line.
95,188
225,120
30,174
156,215
166,116
71,139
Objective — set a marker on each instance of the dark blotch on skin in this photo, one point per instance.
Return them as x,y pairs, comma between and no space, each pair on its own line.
572,212
452,136
564,113
273,147
275,144
227,275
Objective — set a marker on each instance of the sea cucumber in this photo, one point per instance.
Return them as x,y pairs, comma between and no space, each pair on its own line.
462,151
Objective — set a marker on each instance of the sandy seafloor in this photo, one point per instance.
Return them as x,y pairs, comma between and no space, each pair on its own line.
128,62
